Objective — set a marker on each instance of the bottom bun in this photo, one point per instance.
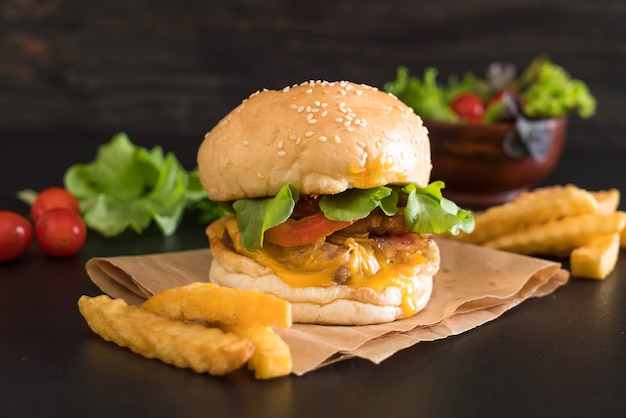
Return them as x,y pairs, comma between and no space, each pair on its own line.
322,305
333,305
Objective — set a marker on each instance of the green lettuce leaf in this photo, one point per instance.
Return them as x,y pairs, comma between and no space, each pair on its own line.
555,93
427,97
130,187
255,216
427,211
354,203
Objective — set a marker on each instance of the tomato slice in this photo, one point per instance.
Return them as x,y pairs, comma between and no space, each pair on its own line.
304,231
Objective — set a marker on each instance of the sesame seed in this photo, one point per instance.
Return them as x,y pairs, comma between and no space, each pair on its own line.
294,106
325,112
347,123
324,104
317,103
281,153
312,121
351,129
280,143
338,119
309,116
286,89
343,92
337,139
322,138
361,144
308,134
309,91
293,137
298,140
359,92
300,109
245,142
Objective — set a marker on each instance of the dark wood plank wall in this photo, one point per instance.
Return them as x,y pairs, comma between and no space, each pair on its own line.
168,70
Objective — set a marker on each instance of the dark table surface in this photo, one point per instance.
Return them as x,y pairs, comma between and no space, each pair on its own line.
561,355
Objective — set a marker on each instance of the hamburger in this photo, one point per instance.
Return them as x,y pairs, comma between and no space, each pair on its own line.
330,201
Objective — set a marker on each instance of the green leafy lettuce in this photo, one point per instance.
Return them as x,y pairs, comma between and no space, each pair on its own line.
429,99
546,89
426,211
273,210
128,186
555,93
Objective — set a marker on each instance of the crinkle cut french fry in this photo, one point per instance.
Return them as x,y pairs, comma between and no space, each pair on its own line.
194,346
561,236
596,260
272,357
213,303
608,200
535,207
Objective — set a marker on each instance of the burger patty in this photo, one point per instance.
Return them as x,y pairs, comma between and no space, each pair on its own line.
377,223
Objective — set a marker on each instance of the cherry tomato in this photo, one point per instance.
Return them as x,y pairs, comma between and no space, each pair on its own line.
60,232
53,198
469,107
16,234
303,231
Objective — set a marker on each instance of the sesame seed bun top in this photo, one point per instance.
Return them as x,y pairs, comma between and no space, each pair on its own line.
322,137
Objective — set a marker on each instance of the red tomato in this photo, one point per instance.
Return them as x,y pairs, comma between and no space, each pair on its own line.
60,232
53,198
469,107
16,234
304,231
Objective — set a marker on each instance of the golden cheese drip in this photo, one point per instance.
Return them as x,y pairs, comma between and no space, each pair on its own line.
369,175
367,266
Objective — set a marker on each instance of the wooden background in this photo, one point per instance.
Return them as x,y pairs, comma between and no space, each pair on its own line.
166,71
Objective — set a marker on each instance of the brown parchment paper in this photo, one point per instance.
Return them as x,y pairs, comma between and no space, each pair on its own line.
474,285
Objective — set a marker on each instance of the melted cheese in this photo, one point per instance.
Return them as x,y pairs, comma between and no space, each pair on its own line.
366,264
370,174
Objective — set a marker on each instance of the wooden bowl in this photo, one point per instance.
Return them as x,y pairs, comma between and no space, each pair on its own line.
488,164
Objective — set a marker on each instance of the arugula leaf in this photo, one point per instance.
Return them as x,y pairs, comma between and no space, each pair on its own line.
427,211
129,187
255,216
354,203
